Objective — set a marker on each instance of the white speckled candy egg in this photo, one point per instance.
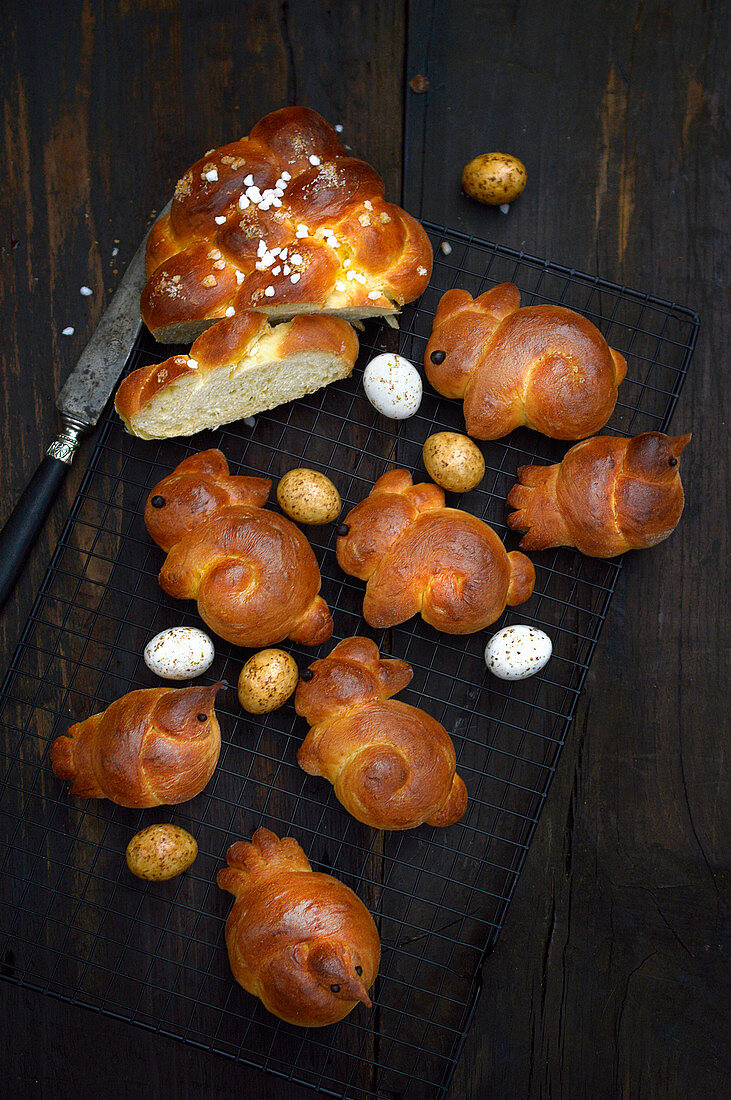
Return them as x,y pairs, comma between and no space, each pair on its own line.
179,653
517,652
393,386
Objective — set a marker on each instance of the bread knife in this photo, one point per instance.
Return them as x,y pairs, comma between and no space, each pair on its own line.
80,403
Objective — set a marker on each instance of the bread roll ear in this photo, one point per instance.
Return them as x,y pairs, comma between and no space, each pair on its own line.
394,675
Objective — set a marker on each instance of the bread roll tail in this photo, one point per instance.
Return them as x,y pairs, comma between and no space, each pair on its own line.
453,808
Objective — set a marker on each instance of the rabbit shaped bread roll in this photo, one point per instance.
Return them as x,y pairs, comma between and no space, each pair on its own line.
252,572
420,557
153,747
299,940
391,764
607,496
543,366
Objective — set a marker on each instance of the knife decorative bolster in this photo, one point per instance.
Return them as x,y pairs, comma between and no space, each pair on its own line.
66,443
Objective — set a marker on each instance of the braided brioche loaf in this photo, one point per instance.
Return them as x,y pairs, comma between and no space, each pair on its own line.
239,367
299,940
281,222
153,747
391,764
607,496
543,366
420,557
252,572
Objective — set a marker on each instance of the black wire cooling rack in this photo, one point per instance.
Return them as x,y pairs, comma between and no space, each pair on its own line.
74,923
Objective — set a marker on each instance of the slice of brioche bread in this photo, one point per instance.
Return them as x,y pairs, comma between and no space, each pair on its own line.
240,366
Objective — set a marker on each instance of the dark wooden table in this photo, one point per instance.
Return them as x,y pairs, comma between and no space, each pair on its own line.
609,975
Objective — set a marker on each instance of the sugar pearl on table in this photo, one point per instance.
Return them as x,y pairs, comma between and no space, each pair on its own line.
446,247
85,291
505,208
68,331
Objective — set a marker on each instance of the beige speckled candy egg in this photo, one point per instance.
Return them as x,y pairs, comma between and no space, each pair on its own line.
517,652
179,653
307,496
393,386
267,680
494,178
453,461
160,852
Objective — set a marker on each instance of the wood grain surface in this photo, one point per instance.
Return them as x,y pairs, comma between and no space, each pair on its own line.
609,977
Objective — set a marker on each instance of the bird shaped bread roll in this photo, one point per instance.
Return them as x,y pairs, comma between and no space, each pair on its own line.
545,367
283,222
299,940
607,496
240,367
153,747
252,572
420,557
391,764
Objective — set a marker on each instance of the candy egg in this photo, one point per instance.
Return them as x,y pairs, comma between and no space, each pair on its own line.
307,496
517,652
267,680
161,852
179,653
393,386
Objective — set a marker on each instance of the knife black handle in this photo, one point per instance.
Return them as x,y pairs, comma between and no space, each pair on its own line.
24,523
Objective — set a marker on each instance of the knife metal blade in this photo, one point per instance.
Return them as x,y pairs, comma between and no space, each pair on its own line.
88,387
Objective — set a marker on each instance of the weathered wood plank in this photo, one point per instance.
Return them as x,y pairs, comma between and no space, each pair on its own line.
606,976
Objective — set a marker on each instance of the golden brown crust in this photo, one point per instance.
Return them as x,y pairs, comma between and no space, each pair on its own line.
607,496
391,764
419,557
252,572
544,366
193,260
148,748
299,940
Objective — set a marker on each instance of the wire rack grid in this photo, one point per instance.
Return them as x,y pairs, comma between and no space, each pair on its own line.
74,923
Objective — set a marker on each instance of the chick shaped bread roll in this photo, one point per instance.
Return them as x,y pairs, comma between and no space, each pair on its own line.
240,367
608,495
392,765
299,940
153,747
283,222
545,367
252,572
419,557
